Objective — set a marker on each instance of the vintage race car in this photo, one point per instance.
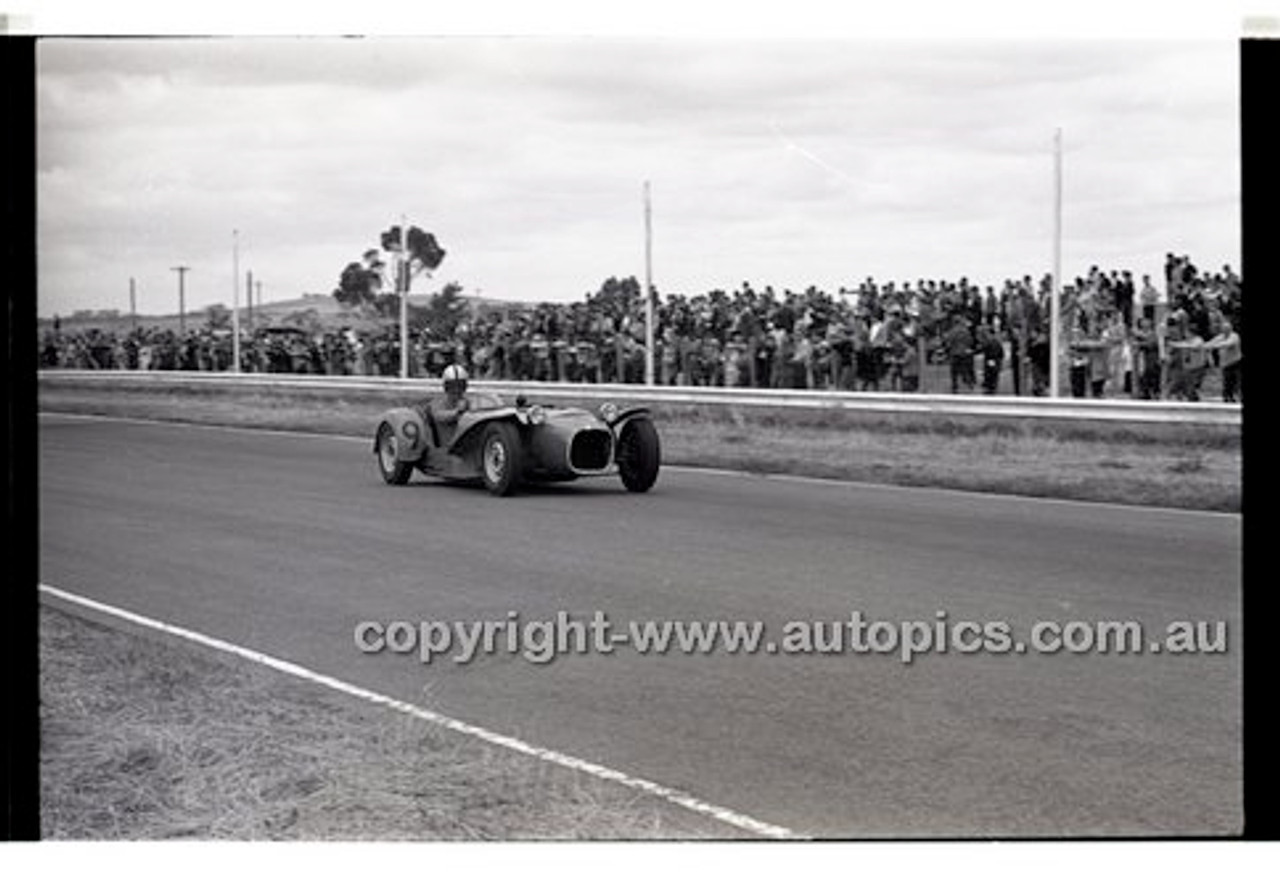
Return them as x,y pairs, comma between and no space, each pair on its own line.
503,444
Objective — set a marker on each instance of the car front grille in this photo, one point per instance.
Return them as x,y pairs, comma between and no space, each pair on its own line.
590,449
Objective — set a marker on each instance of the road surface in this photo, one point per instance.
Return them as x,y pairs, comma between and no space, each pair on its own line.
284,543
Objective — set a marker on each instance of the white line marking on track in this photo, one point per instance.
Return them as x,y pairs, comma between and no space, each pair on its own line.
691,469
674,796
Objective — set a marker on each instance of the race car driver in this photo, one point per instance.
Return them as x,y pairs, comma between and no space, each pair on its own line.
444,412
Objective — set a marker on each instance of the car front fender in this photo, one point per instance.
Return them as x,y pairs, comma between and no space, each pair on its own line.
411,432
625,416
472,423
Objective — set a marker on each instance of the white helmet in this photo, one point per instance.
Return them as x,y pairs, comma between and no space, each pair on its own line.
455,379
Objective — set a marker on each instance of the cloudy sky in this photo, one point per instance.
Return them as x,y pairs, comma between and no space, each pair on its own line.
788,163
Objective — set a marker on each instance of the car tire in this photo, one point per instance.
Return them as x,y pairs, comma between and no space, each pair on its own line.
639,455
500,458
393,471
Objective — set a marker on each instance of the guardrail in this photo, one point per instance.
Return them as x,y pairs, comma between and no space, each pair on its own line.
1084,409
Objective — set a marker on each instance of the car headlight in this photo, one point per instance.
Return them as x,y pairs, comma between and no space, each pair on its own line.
537,415
608,411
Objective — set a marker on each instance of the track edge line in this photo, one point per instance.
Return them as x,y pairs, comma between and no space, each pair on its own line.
555,757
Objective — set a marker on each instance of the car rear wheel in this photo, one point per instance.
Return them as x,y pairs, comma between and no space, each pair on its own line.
393,471
639,455
500,458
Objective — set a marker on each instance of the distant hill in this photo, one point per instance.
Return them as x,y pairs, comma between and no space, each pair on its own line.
325,310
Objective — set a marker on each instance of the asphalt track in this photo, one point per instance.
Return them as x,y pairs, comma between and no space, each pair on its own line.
283,544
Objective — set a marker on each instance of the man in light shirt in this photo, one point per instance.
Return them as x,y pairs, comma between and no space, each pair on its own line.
1187,358
1226,349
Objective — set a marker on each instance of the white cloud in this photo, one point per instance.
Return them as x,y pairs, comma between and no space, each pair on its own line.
783,163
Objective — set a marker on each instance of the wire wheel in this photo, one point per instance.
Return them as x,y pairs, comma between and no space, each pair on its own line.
500,458
393,471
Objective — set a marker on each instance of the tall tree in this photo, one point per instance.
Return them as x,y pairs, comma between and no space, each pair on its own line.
616,296
361,282
370,283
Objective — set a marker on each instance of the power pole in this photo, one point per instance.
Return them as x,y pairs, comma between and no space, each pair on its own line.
133,303
1054,324
648,287
248,297
235,301
182,298
402,283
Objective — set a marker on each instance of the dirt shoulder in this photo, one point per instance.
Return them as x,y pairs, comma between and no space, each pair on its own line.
142,739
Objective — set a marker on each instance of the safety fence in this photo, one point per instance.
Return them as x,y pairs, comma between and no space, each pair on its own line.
1084,409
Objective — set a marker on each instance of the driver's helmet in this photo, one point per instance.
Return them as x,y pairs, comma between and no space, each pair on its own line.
455,380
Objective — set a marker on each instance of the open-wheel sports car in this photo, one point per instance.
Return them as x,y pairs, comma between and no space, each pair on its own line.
504,444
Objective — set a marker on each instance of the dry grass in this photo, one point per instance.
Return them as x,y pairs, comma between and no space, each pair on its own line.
144,740
1166,465
1031,464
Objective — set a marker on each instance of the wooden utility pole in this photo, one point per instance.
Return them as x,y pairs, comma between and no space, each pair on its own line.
648,287
235,301
402,284
1055,329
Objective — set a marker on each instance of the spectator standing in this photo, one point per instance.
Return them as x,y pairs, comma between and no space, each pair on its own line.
1038,353
912,355
1230,358
992,352
1146,348
864,357
959,348
1078,370
670,351
1186,357
1115,338
783,350
802,362
878,337
1124,294
589,356
735,362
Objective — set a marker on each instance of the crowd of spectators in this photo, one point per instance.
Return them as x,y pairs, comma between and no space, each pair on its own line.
1120,337
1132,340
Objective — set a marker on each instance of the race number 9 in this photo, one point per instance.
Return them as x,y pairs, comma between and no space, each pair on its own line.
410,431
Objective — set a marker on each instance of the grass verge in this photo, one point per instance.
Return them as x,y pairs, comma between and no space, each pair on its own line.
1178,466
145,740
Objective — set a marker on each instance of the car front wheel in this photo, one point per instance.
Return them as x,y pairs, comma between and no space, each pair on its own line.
500,458
393,471
639,455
